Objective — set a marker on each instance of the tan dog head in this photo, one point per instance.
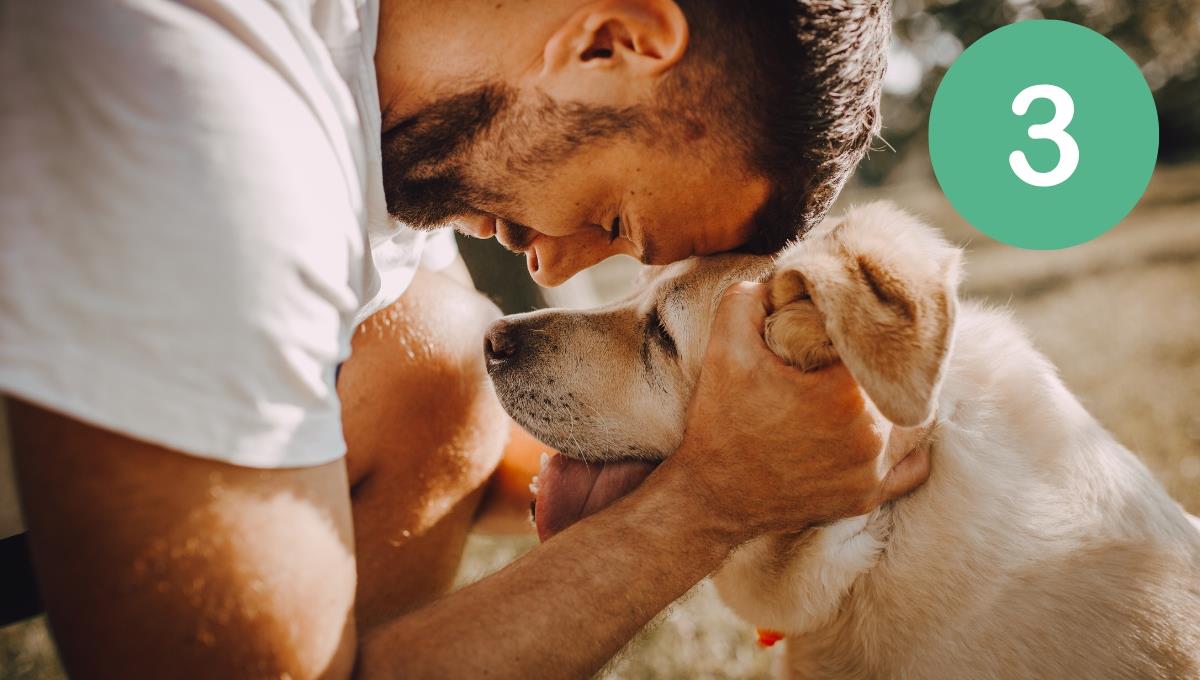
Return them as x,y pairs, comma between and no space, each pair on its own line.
876,289
614,382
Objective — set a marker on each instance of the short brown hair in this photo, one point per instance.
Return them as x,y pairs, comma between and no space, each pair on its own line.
795,85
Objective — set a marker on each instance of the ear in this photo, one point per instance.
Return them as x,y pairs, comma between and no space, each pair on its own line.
879,290
613,51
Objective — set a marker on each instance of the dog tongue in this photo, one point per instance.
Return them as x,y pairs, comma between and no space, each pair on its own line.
569,490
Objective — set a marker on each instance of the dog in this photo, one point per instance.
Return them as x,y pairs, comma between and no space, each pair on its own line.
1039,547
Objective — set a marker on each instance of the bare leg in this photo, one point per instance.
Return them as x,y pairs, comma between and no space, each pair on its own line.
424,434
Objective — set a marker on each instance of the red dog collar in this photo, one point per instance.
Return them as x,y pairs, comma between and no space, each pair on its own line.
768,637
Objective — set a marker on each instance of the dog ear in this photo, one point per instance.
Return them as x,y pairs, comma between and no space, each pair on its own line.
877,289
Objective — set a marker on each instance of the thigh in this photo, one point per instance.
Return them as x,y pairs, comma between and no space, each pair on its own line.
424,433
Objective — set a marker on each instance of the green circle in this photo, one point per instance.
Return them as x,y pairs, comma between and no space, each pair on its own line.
973,130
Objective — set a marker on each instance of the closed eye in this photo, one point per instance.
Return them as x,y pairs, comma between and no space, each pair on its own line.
657,330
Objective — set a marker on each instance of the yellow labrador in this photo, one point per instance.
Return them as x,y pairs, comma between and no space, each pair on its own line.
1039,548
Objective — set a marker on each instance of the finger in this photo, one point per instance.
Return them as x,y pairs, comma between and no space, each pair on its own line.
907,475
738,327
901,441
743,305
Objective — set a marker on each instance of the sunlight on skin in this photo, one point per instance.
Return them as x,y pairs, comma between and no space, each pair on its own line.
675,195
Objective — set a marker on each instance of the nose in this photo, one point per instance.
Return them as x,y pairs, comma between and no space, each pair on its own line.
500,344
552,261
479,226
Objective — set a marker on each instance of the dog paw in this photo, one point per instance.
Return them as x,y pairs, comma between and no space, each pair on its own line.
795,330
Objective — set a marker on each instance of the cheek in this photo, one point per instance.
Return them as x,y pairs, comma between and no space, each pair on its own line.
625,400
605,374
575,363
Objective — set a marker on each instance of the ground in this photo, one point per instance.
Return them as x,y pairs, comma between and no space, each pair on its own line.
1120,316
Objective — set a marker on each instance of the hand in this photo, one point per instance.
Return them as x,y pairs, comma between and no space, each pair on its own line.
771,448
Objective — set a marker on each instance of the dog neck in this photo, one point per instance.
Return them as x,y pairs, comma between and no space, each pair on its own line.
791,584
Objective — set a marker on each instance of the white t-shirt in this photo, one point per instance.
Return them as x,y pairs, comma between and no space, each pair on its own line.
192,218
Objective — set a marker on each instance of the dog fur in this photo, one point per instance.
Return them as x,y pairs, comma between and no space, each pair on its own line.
1039,548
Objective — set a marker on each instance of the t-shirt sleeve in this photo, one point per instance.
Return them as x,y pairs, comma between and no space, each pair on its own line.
179,243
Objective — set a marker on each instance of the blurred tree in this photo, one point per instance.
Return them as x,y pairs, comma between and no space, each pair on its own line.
1161,36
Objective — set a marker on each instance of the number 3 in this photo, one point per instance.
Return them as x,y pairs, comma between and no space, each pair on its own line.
1055,131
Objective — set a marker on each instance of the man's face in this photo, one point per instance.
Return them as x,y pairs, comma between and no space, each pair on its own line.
569,164
524,178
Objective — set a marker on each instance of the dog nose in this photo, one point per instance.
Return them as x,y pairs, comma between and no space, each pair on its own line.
500,343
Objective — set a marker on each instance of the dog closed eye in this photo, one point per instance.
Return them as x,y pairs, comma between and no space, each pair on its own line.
657,331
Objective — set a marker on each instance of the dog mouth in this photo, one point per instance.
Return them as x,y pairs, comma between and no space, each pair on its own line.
569,489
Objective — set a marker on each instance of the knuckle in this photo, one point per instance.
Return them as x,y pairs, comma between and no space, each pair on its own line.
846,398
840,393
738,296
740,288
862,448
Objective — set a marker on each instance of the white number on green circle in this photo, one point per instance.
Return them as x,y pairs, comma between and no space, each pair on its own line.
1055,131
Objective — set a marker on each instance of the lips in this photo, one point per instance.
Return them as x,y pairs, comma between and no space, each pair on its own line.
569,490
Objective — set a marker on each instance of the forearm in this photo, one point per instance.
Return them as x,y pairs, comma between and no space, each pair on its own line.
569,605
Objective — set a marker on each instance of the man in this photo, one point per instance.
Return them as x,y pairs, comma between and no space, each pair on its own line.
196,235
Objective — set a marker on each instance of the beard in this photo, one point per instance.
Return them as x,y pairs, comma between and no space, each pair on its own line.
424,156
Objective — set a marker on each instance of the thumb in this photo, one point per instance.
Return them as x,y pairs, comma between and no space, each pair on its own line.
908,474
743,306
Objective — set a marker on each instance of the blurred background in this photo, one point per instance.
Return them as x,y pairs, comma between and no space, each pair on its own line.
1119,316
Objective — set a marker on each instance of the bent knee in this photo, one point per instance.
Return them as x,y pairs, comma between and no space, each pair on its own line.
416,384
431,336
437,322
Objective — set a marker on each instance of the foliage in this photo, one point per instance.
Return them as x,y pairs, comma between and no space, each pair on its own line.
1162,37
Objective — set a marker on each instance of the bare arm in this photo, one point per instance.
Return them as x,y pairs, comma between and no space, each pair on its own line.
567,606
570,604
156,564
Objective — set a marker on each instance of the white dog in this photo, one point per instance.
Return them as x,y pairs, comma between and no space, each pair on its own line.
1039,548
